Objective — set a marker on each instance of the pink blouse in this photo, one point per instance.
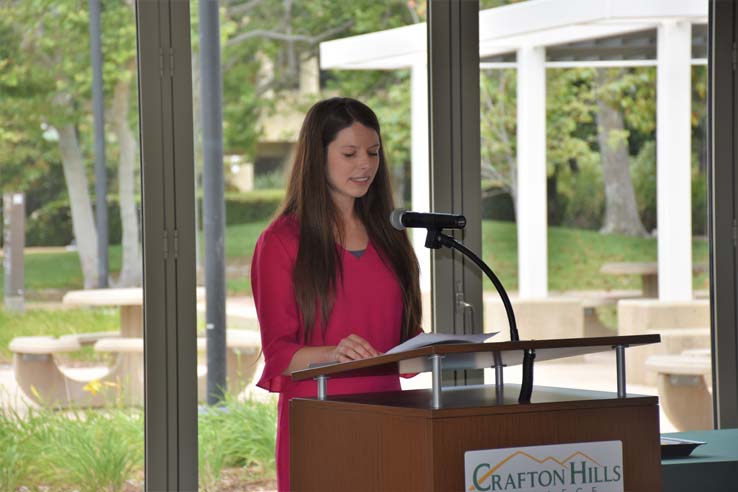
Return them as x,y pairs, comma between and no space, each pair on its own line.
368,303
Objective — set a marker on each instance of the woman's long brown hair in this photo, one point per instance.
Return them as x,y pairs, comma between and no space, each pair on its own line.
318,269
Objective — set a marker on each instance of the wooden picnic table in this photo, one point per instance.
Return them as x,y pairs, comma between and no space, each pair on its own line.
649,272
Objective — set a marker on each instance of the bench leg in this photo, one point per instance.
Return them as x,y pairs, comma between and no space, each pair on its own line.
43,382
686,401
593,325
241,368
127,376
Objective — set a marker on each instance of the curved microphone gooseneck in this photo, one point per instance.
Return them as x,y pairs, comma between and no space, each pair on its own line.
434,223
435,239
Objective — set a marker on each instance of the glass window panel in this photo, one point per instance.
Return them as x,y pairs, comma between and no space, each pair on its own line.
72,327
277,61
582,129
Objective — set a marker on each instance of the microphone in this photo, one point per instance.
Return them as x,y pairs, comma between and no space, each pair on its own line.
400,219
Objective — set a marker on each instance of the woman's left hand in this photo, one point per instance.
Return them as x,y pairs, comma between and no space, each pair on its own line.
353,347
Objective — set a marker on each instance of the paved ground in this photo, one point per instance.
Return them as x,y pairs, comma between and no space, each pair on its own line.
597,372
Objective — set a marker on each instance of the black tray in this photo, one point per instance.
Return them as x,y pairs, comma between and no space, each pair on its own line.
672,447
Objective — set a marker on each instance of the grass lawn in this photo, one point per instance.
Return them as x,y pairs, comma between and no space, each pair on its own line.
574,255
56,322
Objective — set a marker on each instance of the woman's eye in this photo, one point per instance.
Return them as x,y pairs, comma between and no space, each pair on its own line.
349,155
373,154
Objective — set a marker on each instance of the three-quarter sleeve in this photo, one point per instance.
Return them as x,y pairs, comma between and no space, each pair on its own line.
279,321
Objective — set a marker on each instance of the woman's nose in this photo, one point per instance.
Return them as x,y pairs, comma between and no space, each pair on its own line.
365,161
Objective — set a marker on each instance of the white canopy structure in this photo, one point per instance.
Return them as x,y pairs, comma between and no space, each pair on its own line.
532,36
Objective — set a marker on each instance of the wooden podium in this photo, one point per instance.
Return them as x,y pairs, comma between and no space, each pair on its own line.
415,440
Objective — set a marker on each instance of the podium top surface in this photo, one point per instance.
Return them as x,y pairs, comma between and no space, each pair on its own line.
472,356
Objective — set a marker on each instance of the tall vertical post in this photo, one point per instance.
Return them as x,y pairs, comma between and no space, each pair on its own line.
453,65
14,217
722,95
673,160
211,88
531,157
101,178
420,165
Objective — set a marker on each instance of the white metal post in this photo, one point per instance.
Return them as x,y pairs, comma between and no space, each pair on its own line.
673,155
420,165
531,162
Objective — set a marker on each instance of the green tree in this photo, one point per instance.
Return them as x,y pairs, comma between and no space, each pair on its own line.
46,69
267,42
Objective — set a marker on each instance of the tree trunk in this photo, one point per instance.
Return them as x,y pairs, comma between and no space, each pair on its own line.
83,223
131,264
621,210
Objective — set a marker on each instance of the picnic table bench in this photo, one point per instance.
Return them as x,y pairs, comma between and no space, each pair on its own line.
43,381
683,387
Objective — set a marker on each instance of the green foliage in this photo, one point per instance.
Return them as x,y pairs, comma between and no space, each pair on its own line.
97,451
46,84
699,202
264,47
498,98
236,434
252,206
102,450
273,180
643,173
51,225
15,453
86,451
583,198
576,187
498,205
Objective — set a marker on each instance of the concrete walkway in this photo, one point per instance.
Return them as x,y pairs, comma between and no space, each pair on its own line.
596,372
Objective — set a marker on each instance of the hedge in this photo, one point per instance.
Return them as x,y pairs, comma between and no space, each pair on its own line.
51,225
252,206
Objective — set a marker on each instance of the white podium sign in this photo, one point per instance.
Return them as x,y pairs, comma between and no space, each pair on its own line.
575,467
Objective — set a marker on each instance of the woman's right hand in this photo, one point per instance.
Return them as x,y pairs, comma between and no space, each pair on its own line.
353,347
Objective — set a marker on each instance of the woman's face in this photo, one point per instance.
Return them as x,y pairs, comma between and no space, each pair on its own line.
352,163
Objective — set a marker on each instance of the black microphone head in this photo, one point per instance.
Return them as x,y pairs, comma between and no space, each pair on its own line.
396,219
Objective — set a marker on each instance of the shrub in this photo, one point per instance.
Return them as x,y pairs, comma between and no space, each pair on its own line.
585,204
15,454
270,181
98,451
245,433
252,206
643,172
102,450
51,225
498,205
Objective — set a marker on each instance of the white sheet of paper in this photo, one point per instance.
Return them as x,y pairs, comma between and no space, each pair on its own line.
425,339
